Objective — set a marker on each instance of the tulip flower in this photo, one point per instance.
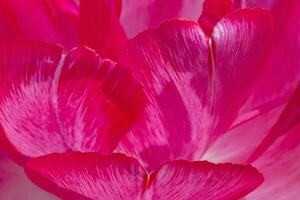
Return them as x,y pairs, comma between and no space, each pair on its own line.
104,117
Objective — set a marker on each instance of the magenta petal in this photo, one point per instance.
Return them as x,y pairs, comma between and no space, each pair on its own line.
47,20
202,180
280,166
88,176
274,89
115,177
15,185
140,15
171,62
212,13
52,104
240,45
100,29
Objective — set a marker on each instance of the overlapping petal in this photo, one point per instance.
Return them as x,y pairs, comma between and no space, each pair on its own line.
54,103
191,83
90,175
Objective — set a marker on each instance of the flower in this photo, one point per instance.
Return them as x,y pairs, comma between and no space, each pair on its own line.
205,87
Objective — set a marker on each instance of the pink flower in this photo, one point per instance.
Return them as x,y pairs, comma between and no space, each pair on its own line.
208,90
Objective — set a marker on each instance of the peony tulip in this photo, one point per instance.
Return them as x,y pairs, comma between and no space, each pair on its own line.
208,88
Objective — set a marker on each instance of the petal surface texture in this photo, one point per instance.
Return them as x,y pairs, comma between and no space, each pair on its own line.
171,63
191,84
117,177
54,103
201,180
88,176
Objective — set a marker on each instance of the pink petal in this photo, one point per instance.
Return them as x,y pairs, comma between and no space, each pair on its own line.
240,45
274,89
171,62
288,119
88,176
15,185
200,180
114,177
140,15
280,166
100,28
52,21
212,12
239,143
52,104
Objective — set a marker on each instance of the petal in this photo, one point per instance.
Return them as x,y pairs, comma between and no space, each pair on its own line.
229,148
212,13
52,21
240,43
100,29
53,103
140,15
280,166
289,117
171,62
15,185
273,89
202,180
94,176
88,176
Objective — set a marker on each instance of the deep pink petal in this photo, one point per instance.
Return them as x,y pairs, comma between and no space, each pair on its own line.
15,185
212,13
202,180
280,166
88,176
171,62
240,44
140,15
94,176
52,21
100,29
52,104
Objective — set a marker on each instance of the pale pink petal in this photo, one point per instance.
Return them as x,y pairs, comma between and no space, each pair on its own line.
202,180
88,176
239,143
54,103
212,12
99,27
15,185
171,62
137,16
280,166
48,20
